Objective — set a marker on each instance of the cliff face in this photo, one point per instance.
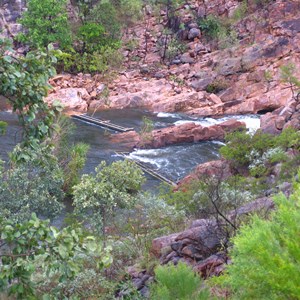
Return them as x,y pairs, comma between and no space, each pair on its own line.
10,11
240,77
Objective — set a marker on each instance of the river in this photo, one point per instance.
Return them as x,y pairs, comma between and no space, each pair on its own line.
174,162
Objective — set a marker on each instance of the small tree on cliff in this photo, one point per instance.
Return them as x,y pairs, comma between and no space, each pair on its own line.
46,22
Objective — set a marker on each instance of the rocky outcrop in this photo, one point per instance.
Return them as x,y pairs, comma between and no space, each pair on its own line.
200,245
70,98
10,12
286,116
218,168
184,133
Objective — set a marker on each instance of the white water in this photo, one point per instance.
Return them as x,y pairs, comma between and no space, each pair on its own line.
177,161
252,121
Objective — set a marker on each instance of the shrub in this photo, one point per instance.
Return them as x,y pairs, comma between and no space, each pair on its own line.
266,255
76,161
24,83
136,228
217,86
106,14
217,197
219,30
129,11
211,26
258,150
177,282
46,22
240,12
110,188
32,186
146,130
3,126
35,247
100,61
91,37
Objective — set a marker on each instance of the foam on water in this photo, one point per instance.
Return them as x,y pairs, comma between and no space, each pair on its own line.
252,121
168,115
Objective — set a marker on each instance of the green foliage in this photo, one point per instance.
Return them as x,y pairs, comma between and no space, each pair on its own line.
91,36
107,57
217,86
215,196
46,22
266,255
106,14
240,12
110,188
146,130
33,246
177,282
174,47
259,151
3,126
129,11
210,26
240,145
219,30
287,74
149,218
24,82
76,161
89,283
32,186
289,138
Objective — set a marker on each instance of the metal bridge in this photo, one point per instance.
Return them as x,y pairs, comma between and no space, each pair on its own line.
102,123
147,170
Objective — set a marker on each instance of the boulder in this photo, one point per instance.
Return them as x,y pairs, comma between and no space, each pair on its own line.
162,242
268,123
199,242
186,58
129,139
183,133
229,66
194,33
211,266
71,98
200,85
220,168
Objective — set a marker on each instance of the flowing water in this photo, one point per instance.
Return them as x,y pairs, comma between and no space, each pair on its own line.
174,162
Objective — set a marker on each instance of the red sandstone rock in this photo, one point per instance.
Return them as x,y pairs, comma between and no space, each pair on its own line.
71,98
211,265
220,168
184,133
162,242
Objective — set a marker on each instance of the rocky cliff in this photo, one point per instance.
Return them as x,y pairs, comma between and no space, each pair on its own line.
10,12
240,76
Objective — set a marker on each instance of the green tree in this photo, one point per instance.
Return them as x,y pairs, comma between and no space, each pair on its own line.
266,255
287,74
35,185
46,22
97,196
33,246
24,83
129,12
91,36
105,14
